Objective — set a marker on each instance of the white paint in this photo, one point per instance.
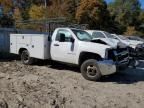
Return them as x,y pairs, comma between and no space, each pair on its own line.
36,44
68,52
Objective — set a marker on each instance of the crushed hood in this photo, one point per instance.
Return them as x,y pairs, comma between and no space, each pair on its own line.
110,42
132,43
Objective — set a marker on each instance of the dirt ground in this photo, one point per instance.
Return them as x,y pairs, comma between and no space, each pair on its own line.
54,85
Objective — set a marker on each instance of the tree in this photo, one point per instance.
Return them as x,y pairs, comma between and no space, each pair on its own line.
6,21
7,4
40,2
125,11
94,13
6,11
69,7
17,17
130,31
37,12
55,9
141,19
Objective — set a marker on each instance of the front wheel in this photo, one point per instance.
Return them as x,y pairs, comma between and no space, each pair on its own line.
25,58
90,70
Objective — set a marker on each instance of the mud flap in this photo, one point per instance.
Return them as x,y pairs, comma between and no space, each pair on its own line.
107,67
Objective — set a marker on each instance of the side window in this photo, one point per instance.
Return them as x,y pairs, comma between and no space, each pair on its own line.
65,34
98,35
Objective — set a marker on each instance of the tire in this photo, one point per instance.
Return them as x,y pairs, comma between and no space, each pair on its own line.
90,70
26,59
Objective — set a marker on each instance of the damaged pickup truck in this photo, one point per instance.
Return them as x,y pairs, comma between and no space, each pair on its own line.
72,46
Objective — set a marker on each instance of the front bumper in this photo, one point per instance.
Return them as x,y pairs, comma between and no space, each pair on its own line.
108,67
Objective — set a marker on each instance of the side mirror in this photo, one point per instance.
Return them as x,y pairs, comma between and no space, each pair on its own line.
62,37
72,40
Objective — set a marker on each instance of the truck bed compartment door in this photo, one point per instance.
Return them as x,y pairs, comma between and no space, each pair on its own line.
13,44
24,39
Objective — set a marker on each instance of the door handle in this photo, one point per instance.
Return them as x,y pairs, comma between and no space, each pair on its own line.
56,44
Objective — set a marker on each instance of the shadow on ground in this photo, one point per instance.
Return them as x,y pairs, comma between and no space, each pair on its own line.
6,57
129,76
58,66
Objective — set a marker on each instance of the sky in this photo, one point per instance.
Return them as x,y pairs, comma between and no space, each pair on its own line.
141,1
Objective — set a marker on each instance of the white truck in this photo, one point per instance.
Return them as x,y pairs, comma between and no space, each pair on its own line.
72,46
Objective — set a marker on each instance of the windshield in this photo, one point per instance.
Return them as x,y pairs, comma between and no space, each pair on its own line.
109,35
98,35
82,35
122,37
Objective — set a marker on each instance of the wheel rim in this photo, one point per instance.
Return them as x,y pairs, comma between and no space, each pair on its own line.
91,71
25,57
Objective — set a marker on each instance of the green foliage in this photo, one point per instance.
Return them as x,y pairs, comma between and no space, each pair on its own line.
141,17
141,22
126,12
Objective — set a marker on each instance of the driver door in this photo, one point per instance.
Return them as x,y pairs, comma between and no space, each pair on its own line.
63,50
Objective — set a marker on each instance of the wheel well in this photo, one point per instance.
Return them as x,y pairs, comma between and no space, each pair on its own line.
21,50
87,55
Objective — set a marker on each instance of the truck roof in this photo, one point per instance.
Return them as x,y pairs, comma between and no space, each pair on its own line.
68,28
91,31
94,30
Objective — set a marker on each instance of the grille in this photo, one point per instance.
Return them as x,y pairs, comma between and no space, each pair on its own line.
118,55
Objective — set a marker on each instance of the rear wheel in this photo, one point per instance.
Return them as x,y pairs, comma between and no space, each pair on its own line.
90,70
26,59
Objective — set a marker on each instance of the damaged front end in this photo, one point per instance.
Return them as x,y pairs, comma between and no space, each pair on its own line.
120,57
137,52
116,59
107,67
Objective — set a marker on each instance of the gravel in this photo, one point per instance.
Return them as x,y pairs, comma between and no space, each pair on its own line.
52,85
